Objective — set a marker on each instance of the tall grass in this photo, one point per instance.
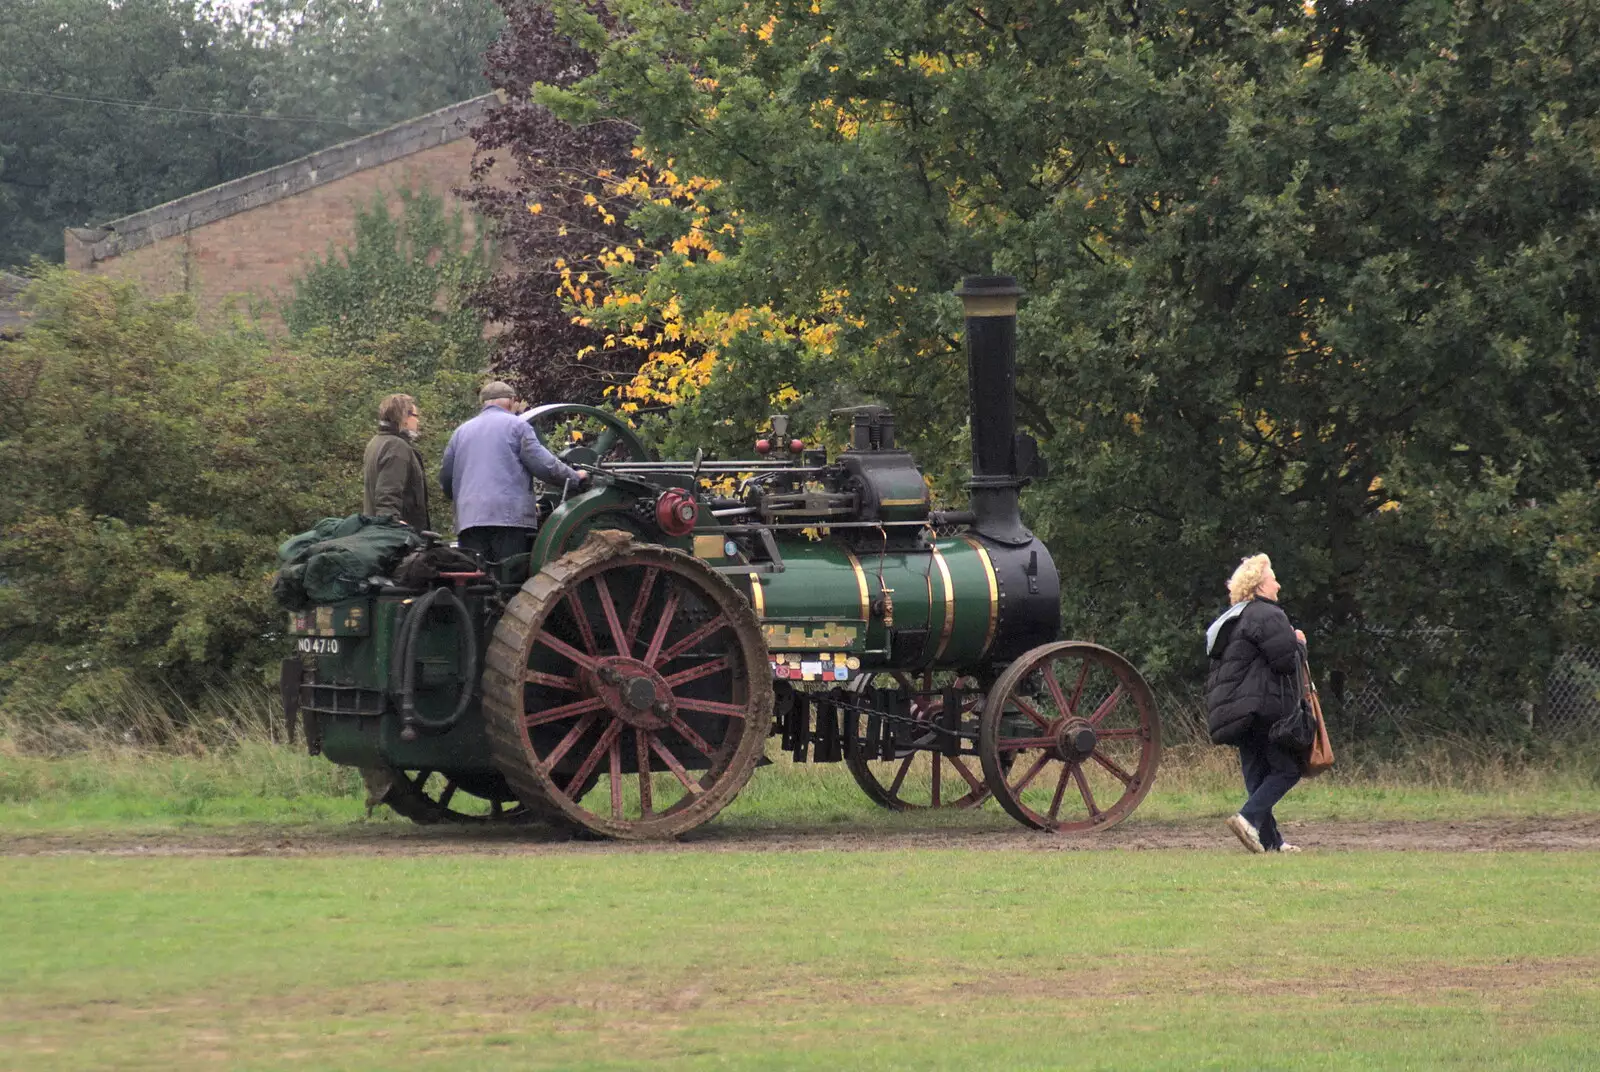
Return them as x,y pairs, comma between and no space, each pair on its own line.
149,755
132,713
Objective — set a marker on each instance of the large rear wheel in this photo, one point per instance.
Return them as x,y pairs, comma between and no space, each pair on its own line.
637,664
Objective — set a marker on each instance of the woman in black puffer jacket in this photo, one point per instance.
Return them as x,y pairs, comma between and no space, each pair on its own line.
1254,653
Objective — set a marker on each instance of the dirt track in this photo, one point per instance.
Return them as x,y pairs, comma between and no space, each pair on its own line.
388,839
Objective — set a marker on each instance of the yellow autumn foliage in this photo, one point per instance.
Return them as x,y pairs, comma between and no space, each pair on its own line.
677,352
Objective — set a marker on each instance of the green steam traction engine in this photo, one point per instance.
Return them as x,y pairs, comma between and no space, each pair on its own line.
626,678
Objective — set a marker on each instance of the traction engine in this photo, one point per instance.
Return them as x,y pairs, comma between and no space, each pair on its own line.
624,678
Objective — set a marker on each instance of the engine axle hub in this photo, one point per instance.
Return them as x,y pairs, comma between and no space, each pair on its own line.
1075,740
633,692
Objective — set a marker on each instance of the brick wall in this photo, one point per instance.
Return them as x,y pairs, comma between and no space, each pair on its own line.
244,242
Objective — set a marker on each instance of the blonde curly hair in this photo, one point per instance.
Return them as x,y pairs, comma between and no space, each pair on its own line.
1247,578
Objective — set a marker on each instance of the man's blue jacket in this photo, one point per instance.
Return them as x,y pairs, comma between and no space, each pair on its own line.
486,467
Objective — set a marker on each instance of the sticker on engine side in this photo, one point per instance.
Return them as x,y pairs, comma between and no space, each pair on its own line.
826,637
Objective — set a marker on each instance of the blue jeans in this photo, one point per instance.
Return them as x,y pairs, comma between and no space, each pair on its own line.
1269,773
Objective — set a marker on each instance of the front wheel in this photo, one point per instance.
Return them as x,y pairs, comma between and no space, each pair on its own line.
1069,738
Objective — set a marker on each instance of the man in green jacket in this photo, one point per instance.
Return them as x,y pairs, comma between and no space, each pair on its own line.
393,481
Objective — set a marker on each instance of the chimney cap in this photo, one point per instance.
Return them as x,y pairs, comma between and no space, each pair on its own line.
990,286
989,295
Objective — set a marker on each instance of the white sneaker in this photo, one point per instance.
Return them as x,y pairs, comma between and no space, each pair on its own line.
1248,835
1286,847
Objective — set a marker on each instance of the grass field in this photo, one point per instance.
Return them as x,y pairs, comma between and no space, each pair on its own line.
494,956
807,960
257,781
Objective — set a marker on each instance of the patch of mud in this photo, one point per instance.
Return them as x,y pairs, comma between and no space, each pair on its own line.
388,839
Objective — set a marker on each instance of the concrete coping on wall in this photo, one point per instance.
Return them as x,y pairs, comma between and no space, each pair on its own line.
88,245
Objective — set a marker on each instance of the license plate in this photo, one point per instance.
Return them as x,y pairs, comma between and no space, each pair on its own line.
318,645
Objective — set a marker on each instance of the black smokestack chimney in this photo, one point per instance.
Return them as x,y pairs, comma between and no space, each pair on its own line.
990,303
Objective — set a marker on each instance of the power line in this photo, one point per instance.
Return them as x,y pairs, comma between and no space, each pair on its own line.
117,102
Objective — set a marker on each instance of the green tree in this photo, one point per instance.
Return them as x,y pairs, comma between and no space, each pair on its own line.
66,160
153,465
411,276
106,109
370,61
400,296
1319,282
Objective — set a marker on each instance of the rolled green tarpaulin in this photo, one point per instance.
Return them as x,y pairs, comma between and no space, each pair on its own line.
334,560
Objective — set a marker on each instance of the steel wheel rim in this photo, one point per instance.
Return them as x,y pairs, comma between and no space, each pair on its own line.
1038,730
629,656
951,781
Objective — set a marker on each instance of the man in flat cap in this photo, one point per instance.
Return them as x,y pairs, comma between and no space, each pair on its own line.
485,472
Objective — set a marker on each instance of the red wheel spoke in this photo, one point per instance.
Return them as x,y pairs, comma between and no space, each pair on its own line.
1033,772
719,622
561,647
677,768
1077,690
1120,733
705,669
1017,744
937,767
1061,791
449,792
695,741
711,707
495,807
1108,705
976,784
614,753
556,714
1055,688
554,681
900,775
1028,709
614,623
581,616
1116,772
662,625
636,619
601,747
573,736
641,742
1084,790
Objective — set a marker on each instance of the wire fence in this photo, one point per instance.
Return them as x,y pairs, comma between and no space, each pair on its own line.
1572,695
1569,706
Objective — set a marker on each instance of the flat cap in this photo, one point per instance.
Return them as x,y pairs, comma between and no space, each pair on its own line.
495,389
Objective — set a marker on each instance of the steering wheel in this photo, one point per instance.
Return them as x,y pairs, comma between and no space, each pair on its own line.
612,441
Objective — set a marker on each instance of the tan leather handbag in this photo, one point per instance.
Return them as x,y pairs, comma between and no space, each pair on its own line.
1321,748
